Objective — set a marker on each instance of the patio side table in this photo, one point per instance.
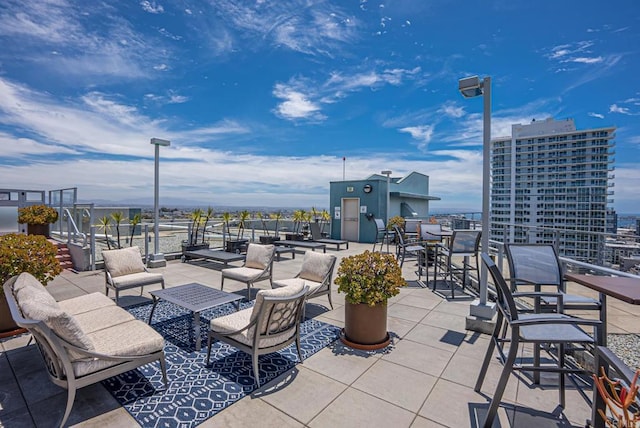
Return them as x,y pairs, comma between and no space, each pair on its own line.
195,298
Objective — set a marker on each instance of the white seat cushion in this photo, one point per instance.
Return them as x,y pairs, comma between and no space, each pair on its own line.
135,279
259,256
102,318
313,286
316,266
85,303
123,261
237,320
242,274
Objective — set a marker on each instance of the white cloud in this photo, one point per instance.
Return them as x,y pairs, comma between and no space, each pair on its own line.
422,133
587,60
151,7
598,115
614,108
295,105
452,110
117,51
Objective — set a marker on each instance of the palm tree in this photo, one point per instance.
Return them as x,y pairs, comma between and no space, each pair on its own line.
134,222
244,216
264,223
207,216
226,218
276,216
298,218
196,218
104,224
326,218
315,213
117,217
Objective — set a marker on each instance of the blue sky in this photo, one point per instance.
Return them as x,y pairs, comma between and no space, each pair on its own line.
262,99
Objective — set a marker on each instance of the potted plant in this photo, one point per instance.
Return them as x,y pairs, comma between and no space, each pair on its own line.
298,219
368,281
266,238
24,253
198,217
239,244
37,218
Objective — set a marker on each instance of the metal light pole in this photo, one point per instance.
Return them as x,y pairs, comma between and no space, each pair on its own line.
388,174
472,87
157,258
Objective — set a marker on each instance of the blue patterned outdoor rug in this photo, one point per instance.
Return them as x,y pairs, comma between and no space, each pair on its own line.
195,392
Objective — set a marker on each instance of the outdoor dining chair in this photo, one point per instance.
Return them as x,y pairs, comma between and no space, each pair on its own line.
272,324
463,244
538,329
538,266
407,248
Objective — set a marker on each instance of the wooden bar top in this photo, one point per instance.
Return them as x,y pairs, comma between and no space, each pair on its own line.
619,287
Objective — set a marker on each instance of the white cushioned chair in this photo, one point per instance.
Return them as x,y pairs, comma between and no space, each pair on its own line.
82,340
258,266
316,273
123,269
275,317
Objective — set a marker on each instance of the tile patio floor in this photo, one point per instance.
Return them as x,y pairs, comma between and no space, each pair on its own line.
424,380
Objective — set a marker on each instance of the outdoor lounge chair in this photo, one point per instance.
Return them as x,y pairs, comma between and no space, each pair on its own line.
316,236
316,273
538,329
123,269
83,340
272,324
258,266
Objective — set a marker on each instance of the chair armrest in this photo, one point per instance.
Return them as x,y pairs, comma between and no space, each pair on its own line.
567,320
537,294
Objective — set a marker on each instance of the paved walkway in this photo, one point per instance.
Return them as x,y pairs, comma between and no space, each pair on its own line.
425,379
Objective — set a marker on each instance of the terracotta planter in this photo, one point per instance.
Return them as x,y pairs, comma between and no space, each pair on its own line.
38,229
365,327
8,326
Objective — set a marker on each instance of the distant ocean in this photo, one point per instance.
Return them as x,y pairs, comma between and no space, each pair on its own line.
627,220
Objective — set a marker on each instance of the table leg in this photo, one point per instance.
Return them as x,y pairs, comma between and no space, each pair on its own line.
603,317
153,308
196,328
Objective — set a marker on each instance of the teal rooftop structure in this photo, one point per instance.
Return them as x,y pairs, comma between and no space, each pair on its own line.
355,203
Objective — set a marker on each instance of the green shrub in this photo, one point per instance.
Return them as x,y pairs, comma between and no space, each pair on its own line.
28,253
37,214
370,278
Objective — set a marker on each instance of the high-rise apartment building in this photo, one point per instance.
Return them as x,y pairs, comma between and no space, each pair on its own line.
555,184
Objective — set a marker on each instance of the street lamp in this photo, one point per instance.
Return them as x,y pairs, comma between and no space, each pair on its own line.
471,87
388,174
157,258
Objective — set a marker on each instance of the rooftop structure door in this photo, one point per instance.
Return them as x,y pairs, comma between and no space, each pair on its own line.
350,229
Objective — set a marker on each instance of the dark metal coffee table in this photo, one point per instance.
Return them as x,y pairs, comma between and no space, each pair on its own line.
195,298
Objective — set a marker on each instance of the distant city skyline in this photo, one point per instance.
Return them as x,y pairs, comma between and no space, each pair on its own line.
262,100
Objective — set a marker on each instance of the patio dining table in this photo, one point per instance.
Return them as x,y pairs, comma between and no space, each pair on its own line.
622,288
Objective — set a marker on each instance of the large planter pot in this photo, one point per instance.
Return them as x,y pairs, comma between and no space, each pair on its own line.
236,245
268,239
38,229
8,326
294,236
193,247
365,327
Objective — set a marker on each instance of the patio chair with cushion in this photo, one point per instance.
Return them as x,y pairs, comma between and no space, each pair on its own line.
258,266
82,340
538,329
123,269
316,273
463,244
272,324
